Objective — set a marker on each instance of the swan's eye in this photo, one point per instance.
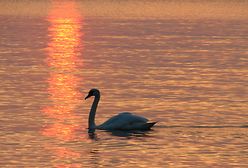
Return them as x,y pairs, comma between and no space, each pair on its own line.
91,92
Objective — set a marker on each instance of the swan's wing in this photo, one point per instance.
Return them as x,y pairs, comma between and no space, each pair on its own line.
133,118
123,120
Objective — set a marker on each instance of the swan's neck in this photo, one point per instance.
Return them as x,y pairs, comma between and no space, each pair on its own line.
91,120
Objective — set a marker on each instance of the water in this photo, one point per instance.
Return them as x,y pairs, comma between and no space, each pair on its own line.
184,67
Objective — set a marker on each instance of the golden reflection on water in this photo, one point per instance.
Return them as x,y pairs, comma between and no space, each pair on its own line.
63,50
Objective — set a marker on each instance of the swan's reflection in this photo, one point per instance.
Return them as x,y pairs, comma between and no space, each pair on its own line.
129,133
119,133
93,136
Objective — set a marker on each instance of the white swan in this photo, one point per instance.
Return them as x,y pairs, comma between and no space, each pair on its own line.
122,121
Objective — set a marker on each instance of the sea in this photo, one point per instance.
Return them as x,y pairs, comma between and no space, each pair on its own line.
182,64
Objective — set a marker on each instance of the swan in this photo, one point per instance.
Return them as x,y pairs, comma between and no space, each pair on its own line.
122,121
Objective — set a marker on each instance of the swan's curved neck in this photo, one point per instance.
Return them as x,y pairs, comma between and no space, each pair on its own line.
91,121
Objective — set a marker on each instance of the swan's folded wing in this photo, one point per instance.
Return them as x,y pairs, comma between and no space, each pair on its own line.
123,120
134,118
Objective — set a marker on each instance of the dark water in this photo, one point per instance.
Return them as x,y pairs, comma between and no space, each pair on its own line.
188,71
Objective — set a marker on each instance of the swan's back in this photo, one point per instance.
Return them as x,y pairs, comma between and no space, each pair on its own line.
126,121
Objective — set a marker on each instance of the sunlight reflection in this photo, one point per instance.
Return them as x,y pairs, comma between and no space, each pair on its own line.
63,50
63,60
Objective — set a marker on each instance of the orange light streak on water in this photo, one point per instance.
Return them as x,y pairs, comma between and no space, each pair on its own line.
64,48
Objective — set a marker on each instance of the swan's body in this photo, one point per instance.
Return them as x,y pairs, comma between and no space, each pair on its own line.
122,121
125,121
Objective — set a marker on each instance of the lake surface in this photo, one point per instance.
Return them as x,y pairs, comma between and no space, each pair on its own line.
182,64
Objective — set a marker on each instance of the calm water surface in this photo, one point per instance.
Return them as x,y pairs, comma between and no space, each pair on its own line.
188,73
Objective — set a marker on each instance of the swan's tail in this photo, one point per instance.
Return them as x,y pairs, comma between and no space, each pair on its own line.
148,126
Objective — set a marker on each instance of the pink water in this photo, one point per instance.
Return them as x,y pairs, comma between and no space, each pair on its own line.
185,67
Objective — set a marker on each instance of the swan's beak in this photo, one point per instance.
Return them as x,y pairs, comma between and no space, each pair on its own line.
87,97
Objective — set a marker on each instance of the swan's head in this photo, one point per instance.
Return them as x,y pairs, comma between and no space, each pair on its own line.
92,92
